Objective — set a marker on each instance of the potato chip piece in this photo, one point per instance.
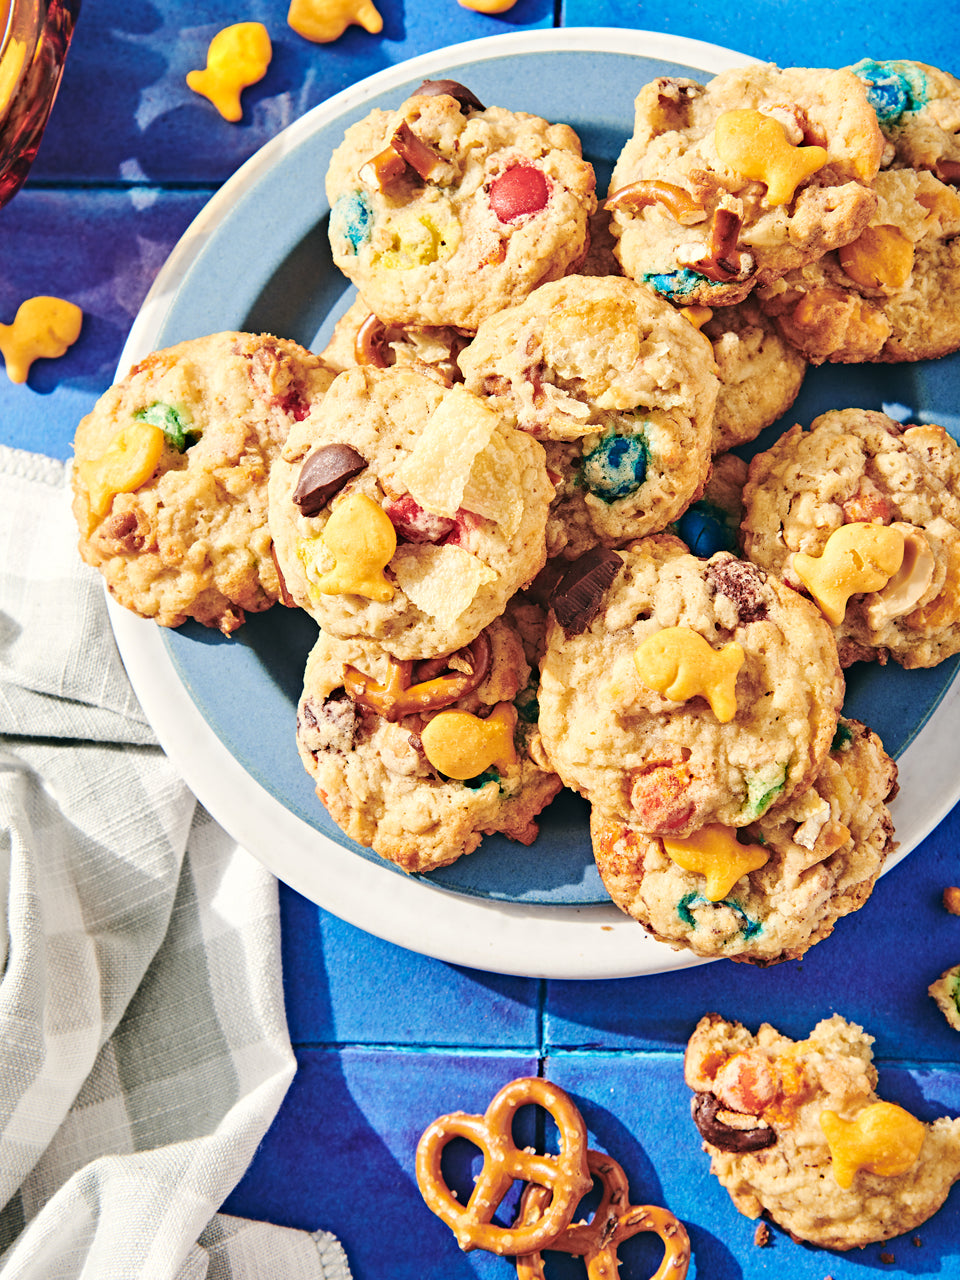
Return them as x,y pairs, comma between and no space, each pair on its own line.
438,467
493,490
440,580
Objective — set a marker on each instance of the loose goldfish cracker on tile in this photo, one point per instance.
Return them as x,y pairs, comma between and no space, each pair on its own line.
323,21
757,146
857,557
680,664
488,6
883,1139
238,56
44,327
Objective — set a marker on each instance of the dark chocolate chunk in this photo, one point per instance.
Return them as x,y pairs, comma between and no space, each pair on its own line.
324,473
454,89
726,1137
577,597
742,583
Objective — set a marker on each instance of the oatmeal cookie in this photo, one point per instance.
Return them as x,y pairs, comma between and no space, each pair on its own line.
444,211
795,1131
171,470
702,692
407,513
819,856
731,184
362,733
361,338
862,483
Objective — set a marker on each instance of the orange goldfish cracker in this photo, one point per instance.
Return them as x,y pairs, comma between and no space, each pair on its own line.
361,538
881,258
128,462
43,327
715,852
757,146
857,558
883,1139
324,20
679,663
461,745
238,56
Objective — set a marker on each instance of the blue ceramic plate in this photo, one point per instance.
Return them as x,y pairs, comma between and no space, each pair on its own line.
257,259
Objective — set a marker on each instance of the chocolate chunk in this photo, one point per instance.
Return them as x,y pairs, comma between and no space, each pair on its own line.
726,1137
453,89
742,583
325,473
577,597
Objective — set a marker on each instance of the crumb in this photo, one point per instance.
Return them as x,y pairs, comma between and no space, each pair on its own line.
887,1257
761,1237
917,1241
951,900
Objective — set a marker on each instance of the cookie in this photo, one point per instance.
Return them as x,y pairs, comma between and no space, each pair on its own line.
407,513
171,470
946,992
862,513
361,338
731,184
443,211
781,888
372,731
795,1131
760,373
701,692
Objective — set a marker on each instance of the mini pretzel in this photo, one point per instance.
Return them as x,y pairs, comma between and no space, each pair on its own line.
397,697
565,1176
677,201
614,1221
723,262
370,344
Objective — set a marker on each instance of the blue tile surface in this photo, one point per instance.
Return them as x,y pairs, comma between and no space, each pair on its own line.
387,1040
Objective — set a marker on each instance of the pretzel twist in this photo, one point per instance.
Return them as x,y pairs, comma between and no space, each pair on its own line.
564,1176
614,1221
397,697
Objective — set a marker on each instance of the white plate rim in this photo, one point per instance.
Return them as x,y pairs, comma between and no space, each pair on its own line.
594,942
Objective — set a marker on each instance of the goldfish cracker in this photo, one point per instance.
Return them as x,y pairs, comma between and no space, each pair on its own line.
858,557
326,20
883,1139
757,146
715,852
238,57
361,539
680,664
43,327
461,745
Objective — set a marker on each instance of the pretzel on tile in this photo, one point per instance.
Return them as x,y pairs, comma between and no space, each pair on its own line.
565,1176
614,1221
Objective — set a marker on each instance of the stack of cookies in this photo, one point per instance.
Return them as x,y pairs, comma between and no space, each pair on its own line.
505,490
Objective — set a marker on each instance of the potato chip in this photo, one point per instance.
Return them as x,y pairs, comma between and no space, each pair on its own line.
440,580
493,489
438,467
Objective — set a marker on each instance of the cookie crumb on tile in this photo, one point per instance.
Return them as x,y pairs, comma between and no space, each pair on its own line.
761,1237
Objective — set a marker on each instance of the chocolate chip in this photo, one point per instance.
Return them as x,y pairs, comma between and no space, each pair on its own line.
453,89
577,597
325,473
726,1137
742,583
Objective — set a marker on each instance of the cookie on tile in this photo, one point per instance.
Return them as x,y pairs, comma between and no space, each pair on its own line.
407,513
760,373
731,184
445,211
361,338
795,1131
768,892
946,992
863,514
171,470
702,691
419,760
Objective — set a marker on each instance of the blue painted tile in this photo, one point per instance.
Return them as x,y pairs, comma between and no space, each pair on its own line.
340,1155
781,31
342,985
101,250
637,1109
124,111
874,969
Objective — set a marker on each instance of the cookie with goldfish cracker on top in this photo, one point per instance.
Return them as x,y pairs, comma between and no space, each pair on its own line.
863,514
407,513
171,471
361,338
769,891
418,760
795,1131
702,691
445,211
730,184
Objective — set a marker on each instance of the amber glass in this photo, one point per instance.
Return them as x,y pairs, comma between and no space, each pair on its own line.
35,38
